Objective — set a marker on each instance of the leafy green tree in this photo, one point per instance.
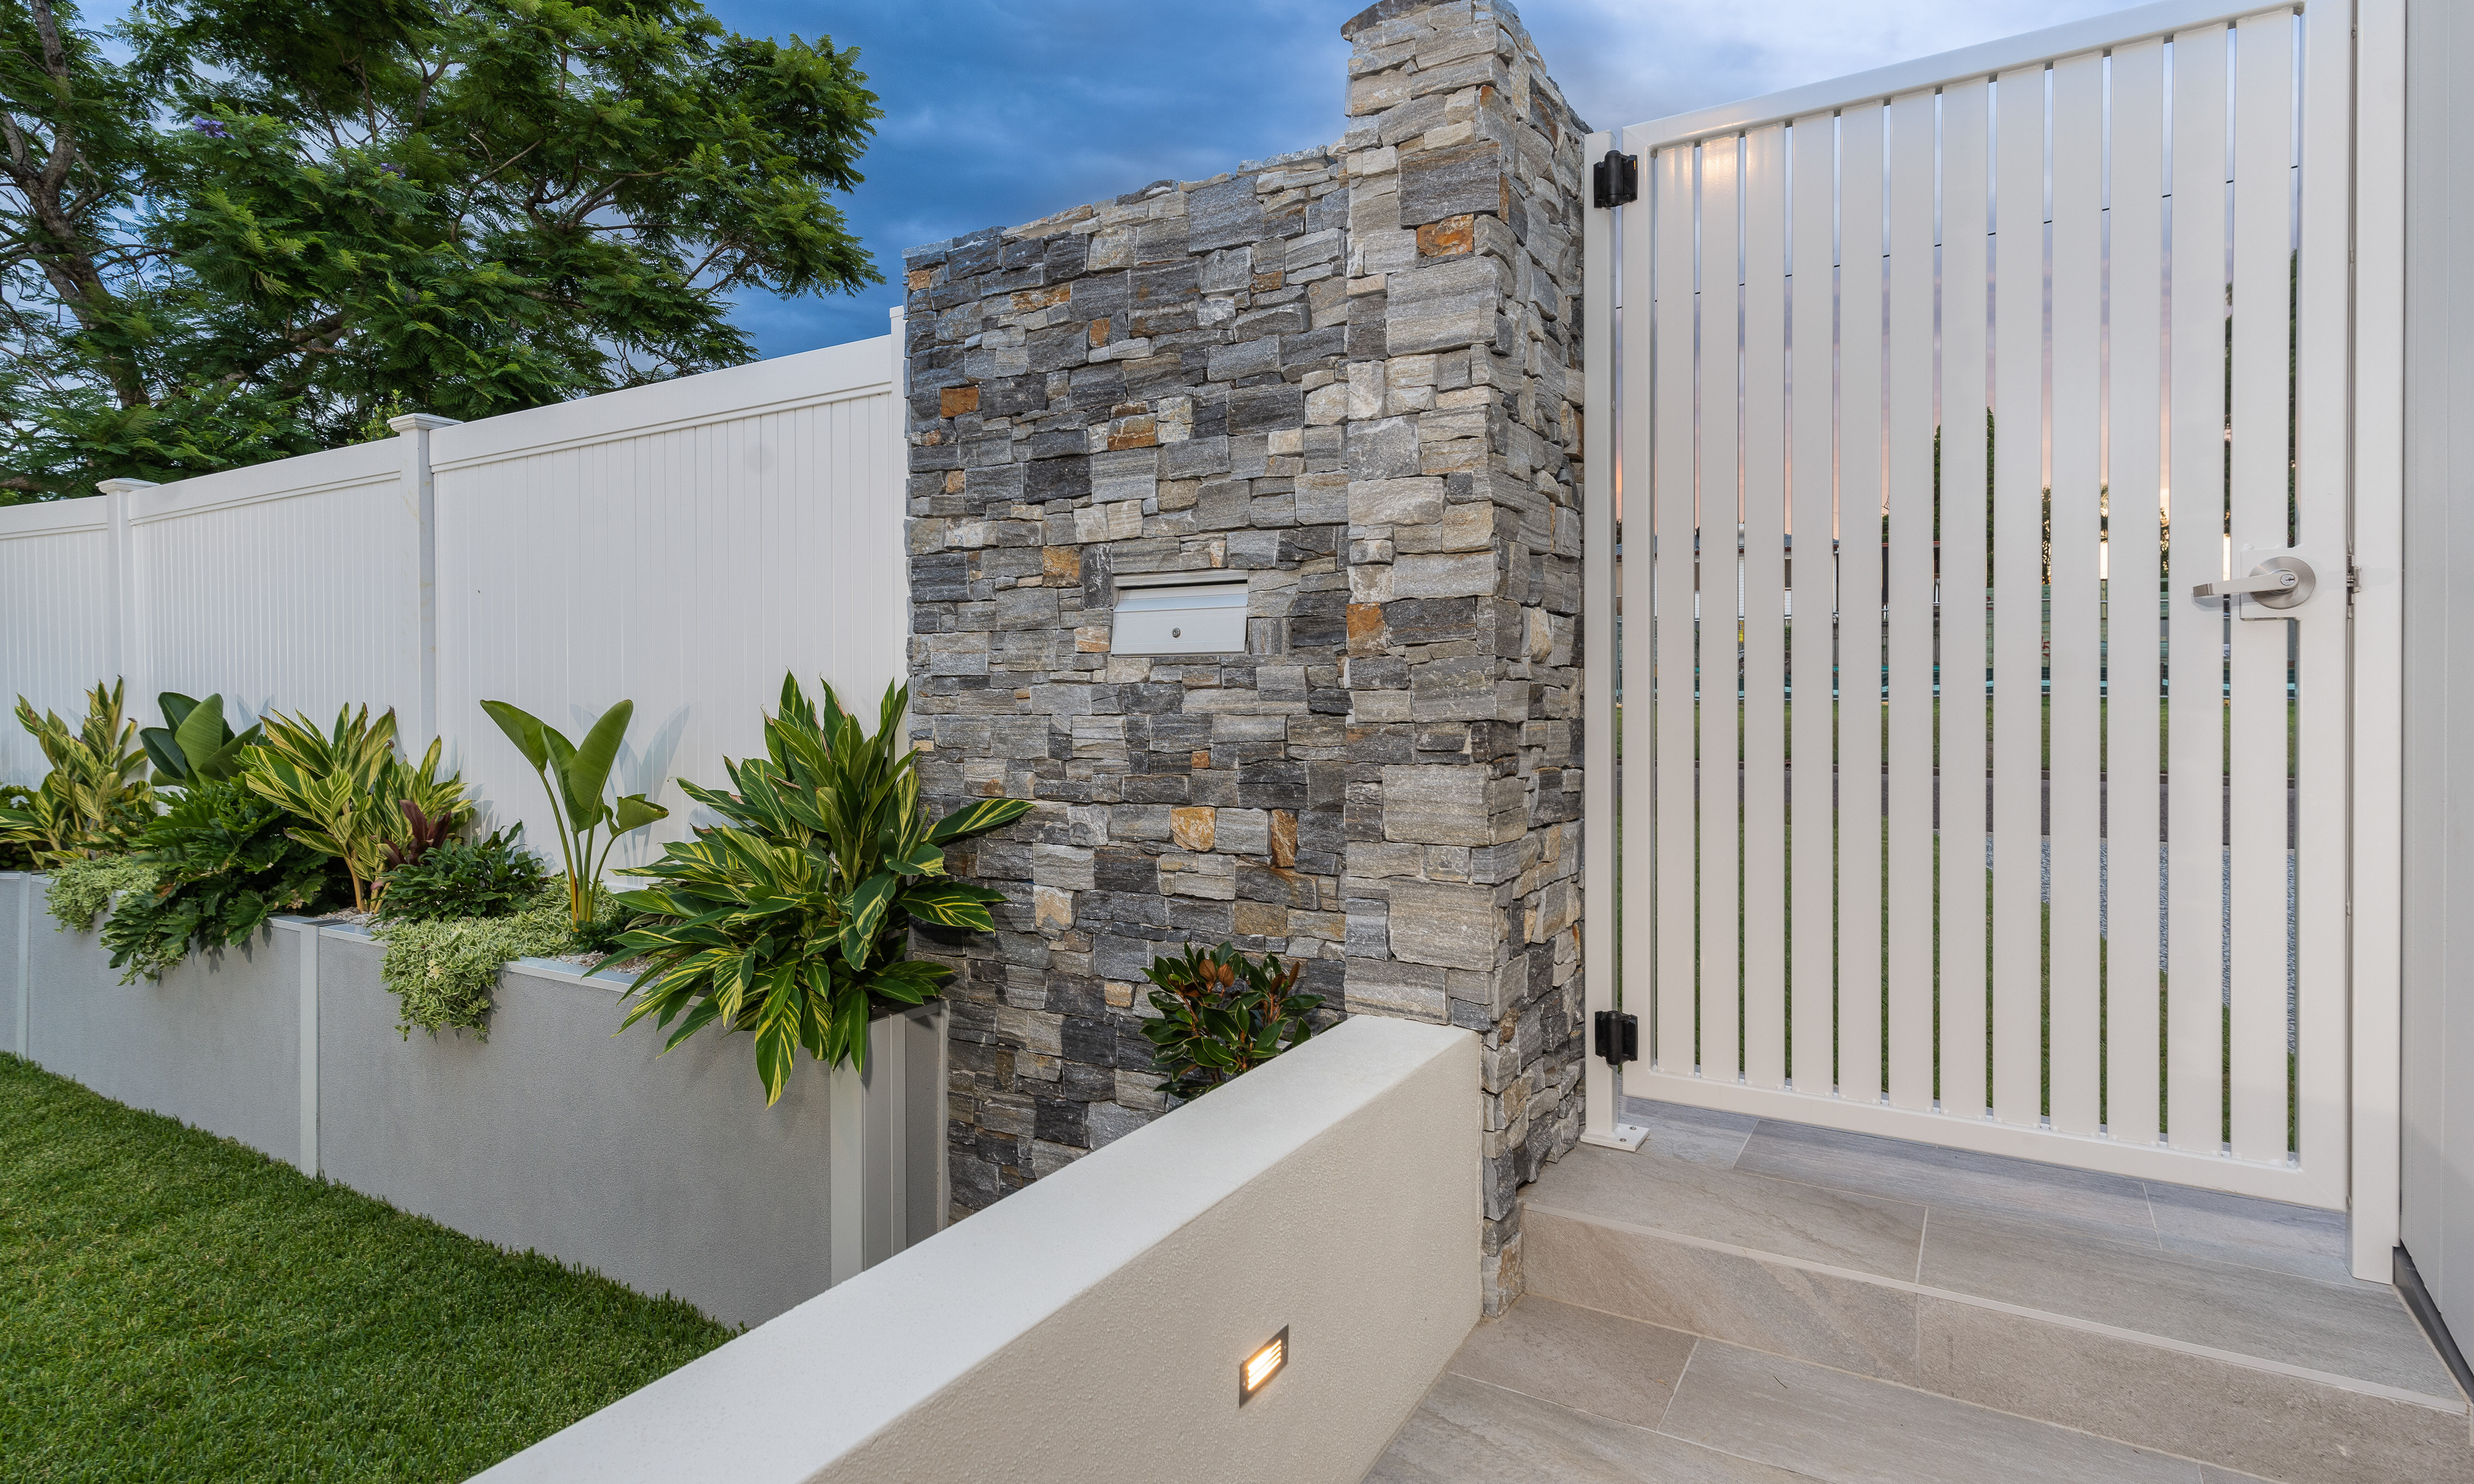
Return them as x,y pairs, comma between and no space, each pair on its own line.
279,220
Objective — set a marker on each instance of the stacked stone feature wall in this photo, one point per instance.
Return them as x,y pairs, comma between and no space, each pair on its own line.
1153,384
1348,374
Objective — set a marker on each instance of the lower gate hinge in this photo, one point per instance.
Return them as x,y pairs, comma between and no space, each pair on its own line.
1618,1037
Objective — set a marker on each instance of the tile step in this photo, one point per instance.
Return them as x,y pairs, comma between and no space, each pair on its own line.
1551,1394
2284,1378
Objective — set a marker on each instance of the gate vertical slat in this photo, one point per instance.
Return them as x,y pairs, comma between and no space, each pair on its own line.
2018,600
1859,601
2261,247
2194,680
1966,282
1672,179
1765,761
1721,629
1813,1043
2132,1075
1908,608
2075,799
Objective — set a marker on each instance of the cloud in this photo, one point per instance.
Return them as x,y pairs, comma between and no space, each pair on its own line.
1622,61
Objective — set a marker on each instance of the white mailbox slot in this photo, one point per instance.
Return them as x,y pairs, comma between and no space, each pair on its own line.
1178,614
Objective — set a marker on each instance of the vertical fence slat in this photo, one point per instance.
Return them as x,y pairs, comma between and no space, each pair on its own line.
1721,630
1765,761
1908,608
2074,801
1765,607
2136,293
2018,596
2261,255
1964,489
2135,945
1671,184
1859,603
1813,1043
2195,739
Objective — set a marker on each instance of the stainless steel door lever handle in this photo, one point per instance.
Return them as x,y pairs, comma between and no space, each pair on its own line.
2279,582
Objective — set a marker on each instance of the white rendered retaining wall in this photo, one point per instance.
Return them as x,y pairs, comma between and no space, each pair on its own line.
1091,1326
670,1175
680,545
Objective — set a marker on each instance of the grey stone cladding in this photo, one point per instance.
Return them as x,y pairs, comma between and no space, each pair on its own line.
1351,375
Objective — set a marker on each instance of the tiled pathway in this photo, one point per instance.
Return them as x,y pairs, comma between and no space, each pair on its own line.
1558,1392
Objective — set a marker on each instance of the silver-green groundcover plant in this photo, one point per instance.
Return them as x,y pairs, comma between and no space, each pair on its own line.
793,918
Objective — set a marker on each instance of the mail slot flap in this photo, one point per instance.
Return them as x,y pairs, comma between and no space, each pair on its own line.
1180,618
1185,595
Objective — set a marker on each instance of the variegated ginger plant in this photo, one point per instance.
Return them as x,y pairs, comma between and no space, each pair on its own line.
793,918
96,799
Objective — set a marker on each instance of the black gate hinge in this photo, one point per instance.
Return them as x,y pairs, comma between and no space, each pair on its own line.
1618,1038
1616,181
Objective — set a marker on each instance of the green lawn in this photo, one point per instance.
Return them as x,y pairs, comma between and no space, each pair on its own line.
176,1306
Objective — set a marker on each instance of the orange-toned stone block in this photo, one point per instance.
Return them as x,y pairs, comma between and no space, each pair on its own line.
1192,828
1284,839
954,401
1366,632
1451,237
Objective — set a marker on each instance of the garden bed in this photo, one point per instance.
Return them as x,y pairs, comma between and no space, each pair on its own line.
669,1174
181,1308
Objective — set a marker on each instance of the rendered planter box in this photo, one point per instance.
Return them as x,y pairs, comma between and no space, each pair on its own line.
670,1175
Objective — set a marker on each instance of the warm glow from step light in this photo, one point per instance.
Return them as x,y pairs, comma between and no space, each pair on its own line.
1261,1366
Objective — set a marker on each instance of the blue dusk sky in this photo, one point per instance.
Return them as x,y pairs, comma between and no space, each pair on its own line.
1000,113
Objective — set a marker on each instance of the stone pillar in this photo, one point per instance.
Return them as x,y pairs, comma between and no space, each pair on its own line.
1462,883
1345,374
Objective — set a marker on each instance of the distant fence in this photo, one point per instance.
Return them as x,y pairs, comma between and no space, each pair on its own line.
680,545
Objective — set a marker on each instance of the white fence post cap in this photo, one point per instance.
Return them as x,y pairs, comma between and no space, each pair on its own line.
421,421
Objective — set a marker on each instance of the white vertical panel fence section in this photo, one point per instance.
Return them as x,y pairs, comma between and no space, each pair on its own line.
680,545
1939,389
60,613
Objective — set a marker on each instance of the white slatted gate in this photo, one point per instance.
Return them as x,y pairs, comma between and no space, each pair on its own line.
1924,400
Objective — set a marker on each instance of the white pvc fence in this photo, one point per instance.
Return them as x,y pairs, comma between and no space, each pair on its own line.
680,545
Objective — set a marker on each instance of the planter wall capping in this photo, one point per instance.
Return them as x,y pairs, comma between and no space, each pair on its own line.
1009,1348
667,1173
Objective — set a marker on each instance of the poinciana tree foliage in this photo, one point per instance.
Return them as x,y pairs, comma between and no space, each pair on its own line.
279,222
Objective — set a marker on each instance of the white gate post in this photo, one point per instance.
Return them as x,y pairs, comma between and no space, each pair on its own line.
2375,892
1601,271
